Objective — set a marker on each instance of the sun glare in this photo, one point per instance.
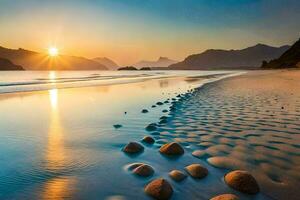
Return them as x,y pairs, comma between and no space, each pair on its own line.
53,51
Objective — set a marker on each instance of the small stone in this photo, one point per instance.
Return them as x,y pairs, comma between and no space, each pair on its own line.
197,171
171,149
163,117
242,181
159,189
153,106
133,147
159,103
225,197
145,111
163,121
117,126
144,170
199,153
148,140
151,127
177,175
134,165
164,111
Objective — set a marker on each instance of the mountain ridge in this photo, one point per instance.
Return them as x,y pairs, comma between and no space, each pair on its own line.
31,60
289,59
6,65
160,62
247,58
107,62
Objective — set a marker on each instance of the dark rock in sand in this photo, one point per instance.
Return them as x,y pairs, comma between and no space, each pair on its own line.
133,147
145,111
134,165
171,149
159,103
117,126
151,127
159,189
144,170
166,101
164,111
163,121
197,171
225,197
163,117
153,106
148,140
177,175
199,153
242,181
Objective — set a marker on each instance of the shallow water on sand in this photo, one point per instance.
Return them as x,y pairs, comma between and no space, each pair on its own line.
61,143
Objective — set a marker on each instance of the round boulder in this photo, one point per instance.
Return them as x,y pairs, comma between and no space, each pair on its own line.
196,171
145,111
199,153
151,127
177,175
171,149
148,140
225,197
159,189
132,166
133,147
143,170
242,181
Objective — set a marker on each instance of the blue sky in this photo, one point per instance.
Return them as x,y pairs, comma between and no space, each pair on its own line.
131,30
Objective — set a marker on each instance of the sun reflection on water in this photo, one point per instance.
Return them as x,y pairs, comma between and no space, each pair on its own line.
55,157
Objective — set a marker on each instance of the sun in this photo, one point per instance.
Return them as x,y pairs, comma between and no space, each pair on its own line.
53,51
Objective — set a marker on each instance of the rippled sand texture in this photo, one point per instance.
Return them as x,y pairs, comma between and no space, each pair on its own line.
249,122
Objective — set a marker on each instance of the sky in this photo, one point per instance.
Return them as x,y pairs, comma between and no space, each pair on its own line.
128,31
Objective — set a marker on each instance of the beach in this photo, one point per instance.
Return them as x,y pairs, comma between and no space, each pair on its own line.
65,140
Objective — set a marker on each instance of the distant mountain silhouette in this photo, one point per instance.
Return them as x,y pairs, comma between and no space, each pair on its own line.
247,58
161,62
108,63
6,64
31,60
128,68
289,59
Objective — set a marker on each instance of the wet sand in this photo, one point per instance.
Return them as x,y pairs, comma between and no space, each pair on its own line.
250,122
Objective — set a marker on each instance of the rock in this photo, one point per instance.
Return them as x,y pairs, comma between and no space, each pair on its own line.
171,149
164,111
159,103
151,127
134,165
145,111
199,153
159,189
133,147
197,171
153,106
242,181
163,117
148,140
163,121
144,170
117,126
225,197
177,175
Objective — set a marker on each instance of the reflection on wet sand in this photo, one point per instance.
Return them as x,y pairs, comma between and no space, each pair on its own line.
58,187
